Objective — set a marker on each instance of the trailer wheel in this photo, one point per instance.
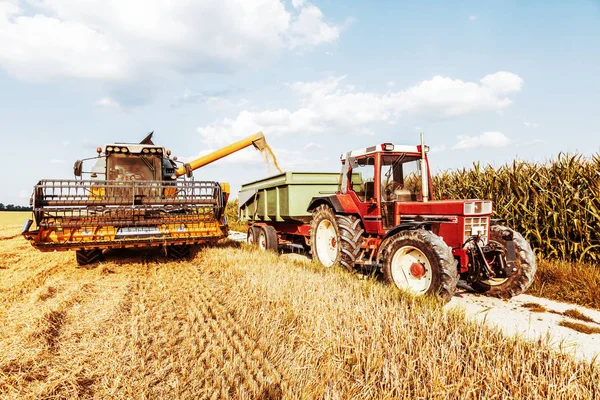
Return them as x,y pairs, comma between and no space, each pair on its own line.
351,232
252,236
325,236
421,263
267,238
525,263
85,257
179,251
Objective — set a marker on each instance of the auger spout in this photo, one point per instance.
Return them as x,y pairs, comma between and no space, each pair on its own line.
257,140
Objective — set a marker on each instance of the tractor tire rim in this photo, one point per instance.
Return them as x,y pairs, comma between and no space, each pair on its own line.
327,243
407,262
250,238
262,240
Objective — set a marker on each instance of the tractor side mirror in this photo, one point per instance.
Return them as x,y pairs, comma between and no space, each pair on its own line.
77,168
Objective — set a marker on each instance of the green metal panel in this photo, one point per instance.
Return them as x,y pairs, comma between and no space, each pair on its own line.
285,197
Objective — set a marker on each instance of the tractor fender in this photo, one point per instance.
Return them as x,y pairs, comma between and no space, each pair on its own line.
340,203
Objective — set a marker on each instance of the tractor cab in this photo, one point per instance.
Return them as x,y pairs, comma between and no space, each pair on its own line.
388,174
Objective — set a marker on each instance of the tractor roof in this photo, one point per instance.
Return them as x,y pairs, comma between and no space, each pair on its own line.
383,148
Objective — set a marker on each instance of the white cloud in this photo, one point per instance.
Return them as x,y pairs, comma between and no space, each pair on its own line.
125,40
297,3
391,83
309,28
486,139
328,104
531,124
312,146
56,161
108,103
473,17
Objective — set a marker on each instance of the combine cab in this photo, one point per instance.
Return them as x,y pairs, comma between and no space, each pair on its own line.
132,198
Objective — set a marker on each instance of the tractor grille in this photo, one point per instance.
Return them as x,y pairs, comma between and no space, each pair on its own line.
475,225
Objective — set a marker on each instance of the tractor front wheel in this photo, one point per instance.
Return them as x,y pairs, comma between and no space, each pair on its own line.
525,264
420,263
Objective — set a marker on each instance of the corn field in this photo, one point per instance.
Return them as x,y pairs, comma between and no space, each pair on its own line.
555,205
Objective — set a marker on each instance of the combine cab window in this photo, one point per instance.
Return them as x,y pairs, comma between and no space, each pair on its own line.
125,167
401,178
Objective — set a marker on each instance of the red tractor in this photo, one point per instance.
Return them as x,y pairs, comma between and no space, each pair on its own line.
383,216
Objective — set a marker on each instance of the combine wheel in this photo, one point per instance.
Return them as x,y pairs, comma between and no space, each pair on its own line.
325,236
267,238
179,251
252,236
421,263
85,257
525,264
351,232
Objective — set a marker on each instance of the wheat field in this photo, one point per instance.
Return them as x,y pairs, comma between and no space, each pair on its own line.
234,322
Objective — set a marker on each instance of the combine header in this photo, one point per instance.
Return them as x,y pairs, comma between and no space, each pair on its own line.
134,197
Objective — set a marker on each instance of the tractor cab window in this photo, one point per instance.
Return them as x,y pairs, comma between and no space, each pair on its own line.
365,167
125,167
400,178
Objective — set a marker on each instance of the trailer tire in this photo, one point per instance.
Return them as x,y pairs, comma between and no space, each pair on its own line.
86,257
267,238
325,236
351,231
179,251
421,263
525,263
252,236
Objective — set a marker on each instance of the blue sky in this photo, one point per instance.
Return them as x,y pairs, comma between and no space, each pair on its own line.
485,81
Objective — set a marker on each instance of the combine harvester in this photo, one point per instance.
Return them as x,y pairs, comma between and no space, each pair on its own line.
379,213
136,196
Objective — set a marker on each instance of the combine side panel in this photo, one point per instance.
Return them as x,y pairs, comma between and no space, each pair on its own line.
74,214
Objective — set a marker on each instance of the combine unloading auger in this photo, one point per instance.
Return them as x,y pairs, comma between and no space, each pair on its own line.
140,202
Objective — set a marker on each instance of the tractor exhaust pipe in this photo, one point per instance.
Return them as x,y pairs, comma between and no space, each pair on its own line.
424,174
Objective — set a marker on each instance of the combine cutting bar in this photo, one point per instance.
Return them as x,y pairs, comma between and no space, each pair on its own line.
100,214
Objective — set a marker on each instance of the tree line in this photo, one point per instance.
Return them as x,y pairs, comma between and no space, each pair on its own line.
12,207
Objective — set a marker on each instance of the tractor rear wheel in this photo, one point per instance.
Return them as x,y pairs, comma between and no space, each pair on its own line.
325,236
252,236
525,265
179,251
420,263
351,231
85,257
267,238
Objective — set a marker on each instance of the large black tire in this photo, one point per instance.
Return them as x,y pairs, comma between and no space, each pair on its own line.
267,238
179,251
86,257
522,278
435,270
351,232
325,237
252,235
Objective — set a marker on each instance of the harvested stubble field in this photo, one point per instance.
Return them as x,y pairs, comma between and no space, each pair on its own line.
237,323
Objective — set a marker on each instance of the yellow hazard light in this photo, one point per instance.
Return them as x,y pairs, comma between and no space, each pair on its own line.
168,152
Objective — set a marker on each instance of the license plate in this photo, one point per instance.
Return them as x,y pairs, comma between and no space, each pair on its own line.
138,231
